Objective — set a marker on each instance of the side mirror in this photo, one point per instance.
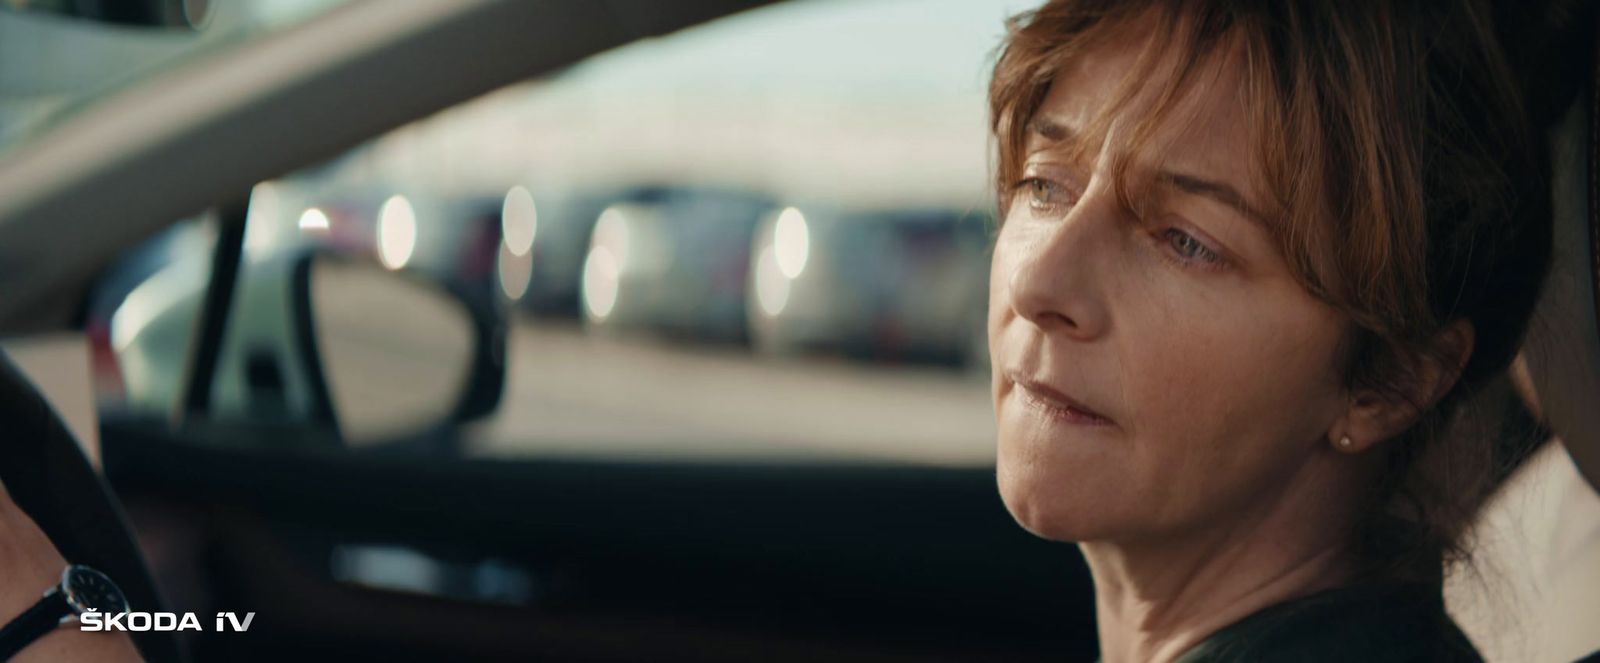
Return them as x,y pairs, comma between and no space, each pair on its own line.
396,351
318,349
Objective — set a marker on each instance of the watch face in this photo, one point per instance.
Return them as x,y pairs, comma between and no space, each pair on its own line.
88,589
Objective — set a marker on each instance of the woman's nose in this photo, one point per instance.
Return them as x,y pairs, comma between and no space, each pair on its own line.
1058,280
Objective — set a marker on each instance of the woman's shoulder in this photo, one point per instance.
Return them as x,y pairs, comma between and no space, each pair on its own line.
1376,622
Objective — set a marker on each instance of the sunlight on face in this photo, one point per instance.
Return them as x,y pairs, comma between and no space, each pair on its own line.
1158,371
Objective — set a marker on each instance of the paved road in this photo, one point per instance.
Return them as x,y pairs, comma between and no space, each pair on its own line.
573,393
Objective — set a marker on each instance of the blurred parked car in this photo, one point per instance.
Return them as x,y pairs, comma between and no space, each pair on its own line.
563,225
454,239
894,283
677,266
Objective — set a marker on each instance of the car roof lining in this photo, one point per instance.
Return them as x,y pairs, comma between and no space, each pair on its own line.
97,182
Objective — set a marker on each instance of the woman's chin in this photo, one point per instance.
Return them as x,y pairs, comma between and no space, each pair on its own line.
1058,489
1051,509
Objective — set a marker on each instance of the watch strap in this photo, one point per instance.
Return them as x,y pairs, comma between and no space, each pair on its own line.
43,617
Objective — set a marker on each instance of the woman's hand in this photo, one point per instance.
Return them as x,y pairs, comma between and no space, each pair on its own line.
30,564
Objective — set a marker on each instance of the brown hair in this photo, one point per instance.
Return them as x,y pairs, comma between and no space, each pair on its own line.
1408,190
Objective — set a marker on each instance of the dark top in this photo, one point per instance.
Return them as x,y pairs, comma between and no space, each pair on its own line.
1375,623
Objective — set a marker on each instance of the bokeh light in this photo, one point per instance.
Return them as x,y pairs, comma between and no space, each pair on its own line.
314,221
772,286
513,272
397,232
519,221
601,280
791,241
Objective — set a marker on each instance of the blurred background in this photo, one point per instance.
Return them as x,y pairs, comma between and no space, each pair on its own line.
763,237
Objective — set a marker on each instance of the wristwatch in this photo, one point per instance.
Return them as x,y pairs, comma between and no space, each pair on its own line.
81,590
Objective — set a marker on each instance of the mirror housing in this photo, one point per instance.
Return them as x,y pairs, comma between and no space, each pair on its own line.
325,343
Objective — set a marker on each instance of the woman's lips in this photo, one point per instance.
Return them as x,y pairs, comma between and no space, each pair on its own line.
1056,405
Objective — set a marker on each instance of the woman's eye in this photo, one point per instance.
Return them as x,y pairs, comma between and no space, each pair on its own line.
1188,248
1045,195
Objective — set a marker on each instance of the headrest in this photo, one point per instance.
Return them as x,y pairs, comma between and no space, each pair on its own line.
1557,60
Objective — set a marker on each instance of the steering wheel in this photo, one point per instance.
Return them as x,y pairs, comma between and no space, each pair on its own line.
49,478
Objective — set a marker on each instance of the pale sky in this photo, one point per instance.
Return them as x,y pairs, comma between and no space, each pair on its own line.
854,99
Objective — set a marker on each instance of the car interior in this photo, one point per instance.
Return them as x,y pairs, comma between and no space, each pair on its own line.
558,558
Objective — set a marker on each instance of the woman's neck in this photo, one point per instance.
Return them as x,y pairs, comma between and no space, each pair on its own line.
1157,599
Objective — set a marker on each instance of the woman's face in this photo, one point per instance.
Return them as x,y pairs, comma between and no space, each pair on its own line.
1159,372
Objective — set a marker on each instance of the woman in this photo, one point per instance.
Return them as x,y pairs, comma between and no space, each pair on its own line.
1254,257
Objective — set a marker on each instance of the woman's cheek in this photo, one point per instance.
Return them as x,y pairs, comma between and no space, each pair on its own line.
1183,365
1245,378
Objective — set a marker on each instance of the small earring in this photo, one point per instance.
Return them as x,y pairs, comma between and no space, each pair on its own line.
1344,442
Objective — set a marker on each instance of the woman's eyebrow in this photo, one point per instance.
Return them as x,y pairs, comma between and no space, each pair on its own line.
1050,129
1221,192
1056,131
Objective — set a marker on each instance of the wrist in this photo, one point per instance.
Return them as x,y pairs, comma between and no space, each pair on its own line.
48,631
30,566
29,563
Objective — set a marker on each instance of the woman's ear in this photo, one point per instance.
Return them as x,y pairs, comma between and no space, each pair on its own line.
1377,415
